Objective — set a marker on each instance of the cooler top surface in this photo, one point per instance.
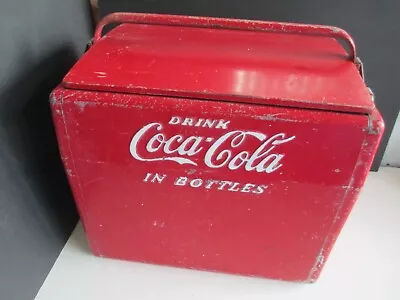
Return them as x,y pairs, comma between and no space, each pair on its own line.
282,69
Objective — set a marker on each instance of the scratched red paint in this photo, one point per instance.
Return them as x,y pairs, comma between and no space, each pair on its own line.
216,144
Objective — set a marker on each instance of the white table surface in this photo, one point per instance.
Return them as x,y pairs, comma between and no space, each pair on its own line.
364,264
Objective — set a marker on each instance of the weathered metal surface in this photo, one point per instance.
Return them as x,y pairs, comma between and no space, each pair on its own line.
233,24
266,68
242,181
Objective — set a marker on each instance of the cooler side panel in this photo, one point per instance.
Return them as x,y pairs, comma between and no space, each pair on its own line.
369,147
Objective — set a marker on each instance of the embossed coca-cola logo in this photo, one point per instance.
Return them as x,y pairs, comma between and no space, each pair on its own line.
150,143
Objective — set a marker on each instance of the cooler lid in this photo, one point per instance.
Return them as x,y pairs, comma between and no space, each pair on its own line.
292,65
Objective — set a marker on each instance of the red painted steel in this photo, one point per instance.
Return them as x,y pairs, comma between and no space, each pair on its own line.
208,22
228,65
255,176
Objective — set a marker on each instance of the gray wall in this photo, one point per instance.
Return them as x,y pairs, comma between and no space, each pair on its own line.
39,42
374,24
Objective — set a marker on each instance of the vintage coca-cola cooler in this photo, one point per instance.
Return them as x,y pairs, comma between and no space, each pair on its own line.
216,144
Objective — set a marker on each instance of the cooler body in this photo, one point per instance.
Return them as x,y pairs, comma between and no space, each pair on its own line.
246,185
218,186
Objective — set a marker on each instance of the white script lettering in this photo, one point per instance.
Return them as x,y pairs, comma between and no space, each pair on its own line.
150,143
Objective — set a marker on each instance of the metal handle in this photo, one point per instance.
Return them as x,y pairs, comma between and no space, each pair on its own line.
220,23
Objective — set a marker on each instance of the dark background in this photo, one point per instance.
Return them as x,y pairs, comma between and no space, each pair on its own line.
39,42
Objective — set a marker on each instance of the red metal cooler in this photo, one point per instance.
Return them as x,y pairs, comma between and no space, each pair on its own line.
216,144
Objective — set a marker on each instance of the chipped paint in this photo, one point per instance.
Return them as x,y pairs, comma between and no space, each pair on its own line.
191,171
91,161
275,117
319,262
375,124
53,99
82,104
